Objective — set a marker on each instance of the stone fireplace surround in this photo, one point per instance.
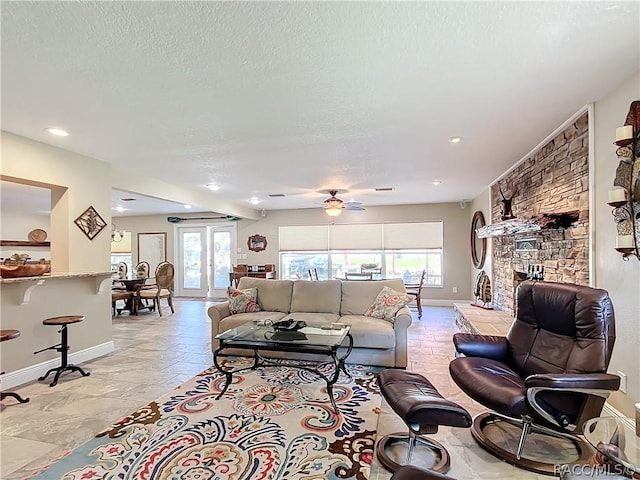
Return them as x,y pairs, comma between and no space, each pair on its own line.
554,179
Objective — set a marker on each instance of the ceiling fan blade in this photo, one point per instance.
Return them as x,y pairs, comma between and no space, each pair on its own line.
353,207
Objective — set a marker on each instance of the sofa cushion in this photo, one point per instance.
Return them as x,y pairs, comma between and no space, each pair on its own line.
273,295
317,296
370,332
357,296
387,304
241,301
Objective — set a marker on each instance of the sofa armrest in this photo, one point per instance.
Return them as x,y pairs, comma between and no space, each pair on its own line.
216,314
485,346
574,381
401,323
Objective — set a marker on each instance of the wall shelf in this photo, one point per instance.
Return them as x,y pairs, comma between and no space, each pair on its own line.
20,243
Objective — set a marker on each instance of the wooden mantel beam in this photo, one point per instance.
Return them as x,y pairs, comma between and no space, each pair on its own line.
544,221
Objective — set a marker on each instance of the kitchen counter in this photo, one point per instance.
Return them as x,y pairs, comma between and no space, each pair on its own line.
55,275
26,301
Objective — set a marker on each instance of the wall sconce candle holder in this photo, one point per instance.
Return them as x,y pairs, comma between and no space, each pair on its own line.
625,196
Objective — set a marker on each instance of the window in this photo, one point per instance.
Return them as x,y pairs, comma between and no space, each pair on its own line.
403,250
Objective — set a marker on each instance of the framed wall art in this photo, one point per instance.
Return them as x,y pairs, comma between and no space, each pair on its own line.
152,248
90,222
257,243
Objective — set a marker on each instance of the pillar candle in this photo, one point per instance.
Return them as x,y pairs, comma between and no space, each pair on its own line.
624,133
617,195
624,241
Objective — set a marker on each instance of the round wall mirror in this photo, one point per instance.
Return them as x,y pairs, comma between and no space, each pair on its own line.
478,245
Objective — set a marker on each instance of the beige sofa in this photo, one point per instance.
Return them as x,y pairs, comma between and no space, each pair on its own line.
376,341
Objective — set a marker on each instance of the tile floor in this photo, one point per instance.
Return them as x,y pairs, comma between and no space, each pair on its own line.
153,355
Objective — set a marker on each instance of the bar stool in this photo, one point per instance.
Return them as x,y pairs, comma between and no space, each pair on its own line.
10,335
62,347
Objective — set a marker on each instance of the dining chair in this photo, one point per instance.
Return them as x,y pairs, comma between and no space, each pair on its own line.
416,289
117,295
358,276
142,269
123,270
313,273
162,288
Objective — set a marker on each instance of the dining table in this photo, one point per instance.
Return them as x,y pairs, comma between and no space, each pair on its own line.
132,283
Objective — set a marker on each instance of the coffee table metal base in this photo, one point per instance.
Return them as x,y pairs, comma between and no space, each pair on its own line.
260,361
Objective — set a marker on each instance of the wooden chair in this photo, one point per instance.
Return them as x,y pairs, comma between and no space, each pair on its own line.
416,289
161,289
122,295
313,273
358,276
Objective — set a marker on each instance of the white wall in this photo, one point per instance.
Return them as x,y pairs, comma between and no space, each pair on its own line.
456,223
16,226
621,279
77,182
482,203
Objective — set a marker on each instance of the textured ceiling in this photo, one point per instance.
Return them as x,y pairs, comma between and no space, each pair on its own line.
301,97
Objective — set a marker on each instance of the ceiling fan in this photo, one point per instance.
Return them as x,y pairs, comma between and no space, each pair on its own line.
333,206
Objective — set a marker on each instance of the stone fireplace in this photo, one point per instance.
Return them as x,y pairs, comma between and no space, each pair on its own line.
554,179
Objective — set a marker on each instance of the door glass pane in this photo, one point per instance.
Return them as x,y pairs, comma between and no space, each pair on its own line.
221,259
192,242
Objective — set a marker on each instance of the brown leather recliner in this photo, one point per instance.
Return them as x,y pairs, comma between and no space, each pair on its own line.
548,374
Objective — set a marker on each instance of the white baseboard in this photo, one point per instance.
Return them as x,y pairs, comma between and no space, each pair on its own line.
609,411
33,372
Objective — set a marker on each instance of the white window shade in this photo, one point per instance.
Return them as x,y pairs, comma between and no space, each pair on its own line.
307,237
356,237
412,235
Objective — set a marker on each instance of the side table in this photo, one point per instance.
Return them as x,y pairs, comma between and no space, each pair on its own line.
615,440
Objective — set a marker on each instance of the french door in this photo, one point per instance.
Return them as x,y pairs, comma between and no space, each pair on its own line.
204,258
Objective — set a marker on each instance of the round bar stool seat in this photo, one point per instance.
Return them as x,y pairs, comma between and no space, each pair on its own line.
423,409
63,320
10,335
62,347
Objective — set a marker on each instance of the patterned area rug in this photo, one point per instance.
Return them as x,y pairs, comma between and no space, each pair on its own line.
272,423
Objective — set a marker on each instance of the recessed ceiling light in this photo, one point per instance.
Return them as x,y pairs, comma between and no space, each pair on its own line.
437,182
57,132
254,200
186,206
119,209
455,139
213,186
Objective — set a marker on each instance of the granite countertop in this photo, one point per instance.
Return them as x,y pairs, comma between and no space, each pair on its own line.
59,275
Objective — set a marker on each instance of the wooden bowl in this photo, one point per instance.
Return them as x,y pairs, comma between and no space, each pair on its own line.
15,271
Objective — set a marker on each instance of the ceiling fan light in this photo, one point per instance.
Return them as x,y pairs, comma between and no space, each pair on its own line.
333,211
333,203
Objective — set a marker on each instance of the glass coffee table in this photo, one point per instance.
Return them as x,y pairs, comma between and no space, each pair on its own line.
615,439
312,339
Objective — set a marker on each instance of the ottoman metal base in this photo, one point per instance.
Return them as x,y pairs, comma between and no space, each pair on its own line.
442,459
